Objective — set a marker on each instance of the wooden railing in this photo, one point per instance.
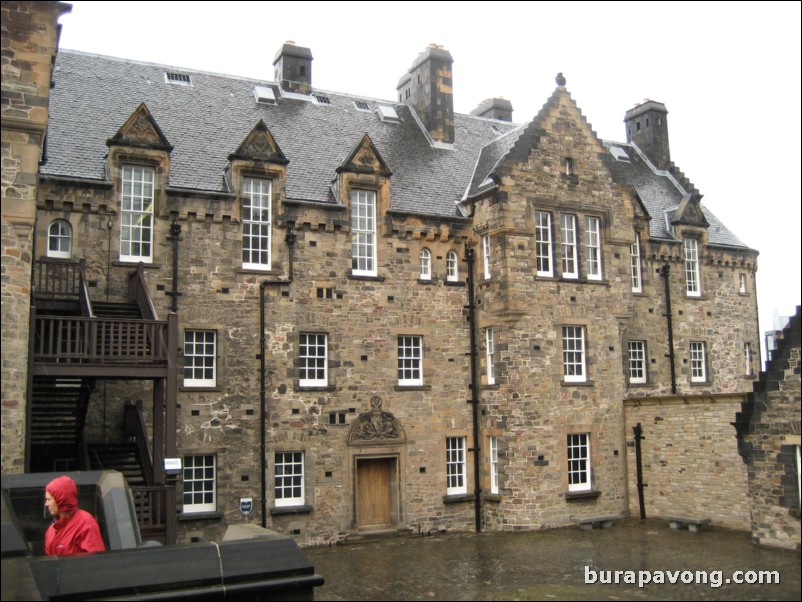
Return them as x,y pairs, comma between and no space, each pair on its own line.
136,430
151,508
57,277
100,341
138,293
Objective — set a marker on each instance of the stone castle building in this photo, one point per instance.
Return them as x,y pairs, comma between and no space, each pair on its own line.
344,314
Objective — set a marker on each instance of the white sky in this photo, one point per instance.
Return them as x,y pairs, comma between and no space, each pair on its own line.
729,74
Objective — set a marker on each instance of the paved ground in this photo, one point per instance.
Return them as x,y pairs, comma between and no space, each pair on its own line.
551,565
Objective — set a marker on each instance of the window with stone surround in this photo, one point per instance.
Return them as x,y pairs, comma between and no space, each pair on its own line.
568,235
200,358
452,267
312,360
490,351
256,223
136,213
742,289
425,264
363,232
410,360
748,359
637,362
493,445
635,265
691,252
579,473
289,478
698,362
456,466
200,475
486,256
574,354
543,250
593,248
59,239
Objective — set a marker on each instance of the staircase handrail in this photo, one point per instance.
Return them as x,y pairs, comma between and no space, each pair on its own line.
138,293
135,418
83,290
56,277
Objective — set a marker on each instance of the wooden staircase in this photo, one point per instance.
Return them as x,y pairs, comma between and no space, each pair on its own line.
123,457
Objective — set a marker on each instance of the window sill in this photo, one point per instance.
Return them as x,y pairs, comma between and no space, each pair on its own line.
267,272
188,516
491,497
458,498
185,389
585,383
705,383
412,387
311,388
491,387
454,282
582,495
426,281
352,276
645,385
135,264
291,510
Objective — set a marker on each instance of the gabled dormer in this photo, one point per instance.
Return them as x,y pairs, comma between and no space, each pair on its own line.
363,186
688,219
257,173
139,168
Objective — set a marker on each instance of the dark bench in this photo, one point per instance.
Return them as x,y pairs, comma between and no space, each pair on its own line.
603,522
693,524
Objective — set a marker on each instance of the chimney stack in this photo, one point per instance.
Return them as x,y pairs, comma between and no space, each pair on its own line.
494,108
427,87
647,128
293,68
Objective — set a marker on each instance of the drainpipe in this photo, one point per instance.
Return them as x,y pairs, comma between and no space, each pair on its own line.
669,320
470,258
290,240
175,236
639,468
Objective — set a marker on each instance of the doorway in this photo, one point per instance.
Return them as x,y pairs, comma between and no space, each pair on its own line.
374,493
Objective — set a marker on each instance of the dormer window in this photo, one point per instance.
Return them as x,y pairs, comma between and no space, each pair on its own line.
691,249
136,213
256,223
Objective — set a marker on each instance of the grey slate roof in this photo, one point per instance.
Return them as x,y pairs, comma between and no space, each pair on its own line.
205,122
661,194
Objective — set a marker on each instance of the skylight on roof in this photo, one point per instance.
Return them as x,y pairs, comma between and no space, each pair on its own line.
181,79
387,114
264,95
323,100
362,105
619,153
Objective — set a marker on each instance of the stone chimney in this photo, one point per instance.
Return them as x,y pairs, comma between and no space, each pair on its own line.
293,68
494,108
647,128
427,87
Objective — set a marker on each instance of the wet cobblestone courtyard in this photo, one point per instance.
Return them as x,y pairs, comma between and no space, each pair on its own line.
551,565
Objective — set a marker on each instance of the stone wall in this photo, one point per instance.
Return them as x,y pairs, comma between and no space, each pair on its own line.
29,40
690,459
771,442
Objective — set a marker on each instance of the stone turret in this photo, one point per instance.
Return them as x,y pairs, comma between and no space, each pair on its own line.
427,87
293,68
647,127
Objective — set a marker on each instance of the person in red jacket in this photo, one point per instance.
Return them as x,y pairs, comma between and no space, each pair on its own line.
73,530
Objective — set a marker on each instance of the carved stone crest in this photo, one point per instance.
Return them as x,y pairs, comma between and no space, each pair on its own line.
375,425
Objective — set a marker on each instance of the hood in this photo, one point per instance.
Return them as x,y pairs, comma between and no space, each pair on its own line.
65,492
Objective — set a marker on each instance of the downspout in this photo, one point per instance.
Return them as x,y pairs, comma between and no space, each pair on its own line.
669,321
638,431
175,237
290,240
470,258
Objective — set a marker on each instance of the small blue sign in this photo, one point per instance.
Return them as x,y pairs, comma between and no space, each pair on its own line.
246,505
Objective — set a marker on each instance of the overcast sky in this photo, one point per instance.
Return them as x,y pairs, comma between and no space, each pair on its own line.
729,74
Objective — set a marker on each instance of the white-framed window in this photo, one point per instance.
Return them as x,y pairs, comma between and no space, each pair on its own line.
568,236
410,360
452,267
742,283
200,490
691,247
256,223
491,357
543,250
363,232
136,214
312,360
593,247
634,263
637,362
200,358
698,362
574,354
486,255
289,478
425,264
59,239
493,441
748,359
579,477
456,466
